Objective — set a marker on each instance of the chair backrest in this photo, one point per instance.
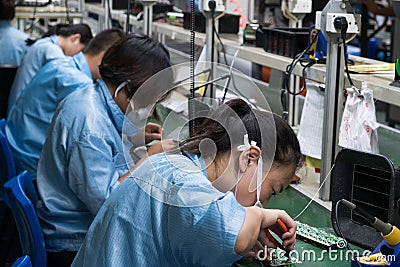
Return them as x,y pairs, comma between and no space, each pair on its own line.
7,75
20,196
7,165
23,261
3,125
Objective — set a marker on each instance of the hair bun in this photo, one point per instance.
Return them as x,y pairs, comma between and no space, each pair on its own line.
239,106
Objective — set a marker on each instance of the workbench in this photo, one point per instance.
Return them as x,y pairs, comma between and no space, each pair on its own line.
310,255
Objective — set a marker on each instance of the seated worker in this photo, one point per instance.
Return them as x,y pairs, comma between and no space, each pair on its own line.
12,41
62,40
194,207
29,120
82,160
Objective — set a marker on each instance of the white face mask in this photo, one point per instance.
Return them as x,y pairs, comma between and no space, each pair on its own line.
247,145
119,88
141,114
134,115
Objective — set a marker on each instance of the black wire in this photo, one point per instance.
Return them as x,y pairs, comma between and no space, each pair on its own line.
109,14
128,12
343,35
212,8
288,72
285,112
68,19
191,107
292,65
340,231
222,45
232,77
379,28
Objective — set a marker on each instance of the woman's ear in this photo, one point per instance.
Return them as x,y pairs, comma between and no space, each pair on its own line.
254,154
75,38
248,157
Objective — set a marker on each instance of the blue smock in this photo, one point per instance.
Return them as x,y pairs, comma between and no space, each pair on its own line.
36,57
30,118
167,213
12,43
80,164
82,64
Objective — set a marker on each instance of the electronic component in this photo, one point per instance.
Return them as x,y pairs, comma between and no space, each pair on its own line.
319,237
279,259
396,81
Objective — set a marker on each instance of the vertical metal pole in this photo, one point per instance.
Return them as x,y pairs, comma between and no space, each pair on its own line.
294,84
106,17
148,16
210,56
332,113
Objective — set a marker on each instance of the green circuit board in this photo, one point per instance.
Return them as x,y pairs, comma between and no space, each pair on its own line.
318,236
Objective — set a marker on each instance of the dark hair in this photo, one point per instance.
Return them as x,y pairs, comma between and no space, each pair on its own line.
66,30
7,9
135,59
224,120
103,41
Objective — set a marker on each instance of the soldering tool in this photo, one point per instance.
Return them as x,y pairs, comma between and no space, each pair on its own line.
273,239
388,251
389,232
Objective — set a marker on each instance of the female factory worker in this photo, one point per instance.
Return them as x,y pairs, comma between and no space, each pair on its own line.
176,209
12,41
29,120
67,40
82,160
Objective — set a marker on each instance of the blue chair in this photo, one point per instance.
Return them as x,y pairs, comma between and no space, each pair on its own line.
6,160
3,125
24,261
7,167
20,196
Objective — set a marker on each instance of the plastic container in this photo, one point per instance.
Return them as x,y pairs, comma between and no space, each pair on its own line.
228,23
285,41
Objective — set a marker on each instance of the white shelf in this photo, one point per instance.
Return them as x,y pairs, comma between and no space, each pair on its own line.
379,83
46,12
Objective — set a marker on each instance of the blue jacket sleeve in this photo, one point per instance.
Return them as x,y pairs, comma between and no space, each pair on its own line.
206,235
92,170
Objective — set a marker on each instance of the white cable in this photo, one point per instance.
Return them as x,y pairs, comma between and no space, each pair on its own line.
230,73
287,13
313,198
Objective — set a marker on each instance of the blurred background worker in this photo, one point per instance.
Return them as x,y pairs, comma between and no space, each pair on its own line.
82,160
199,205
29,120
62,40
12,41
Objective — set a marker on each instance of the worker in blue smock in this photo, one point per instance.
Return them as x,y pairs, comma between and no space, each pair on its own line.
199,206
82,160
29,120
62,40
12,41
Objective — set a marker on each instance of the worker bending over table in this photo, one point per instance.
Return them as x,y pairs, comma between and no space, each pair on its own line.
82,160
201,204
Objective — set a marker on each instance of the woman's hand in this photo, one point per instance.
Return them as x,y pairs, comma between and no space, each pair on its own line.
152,131
164,145
257,219
270,221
